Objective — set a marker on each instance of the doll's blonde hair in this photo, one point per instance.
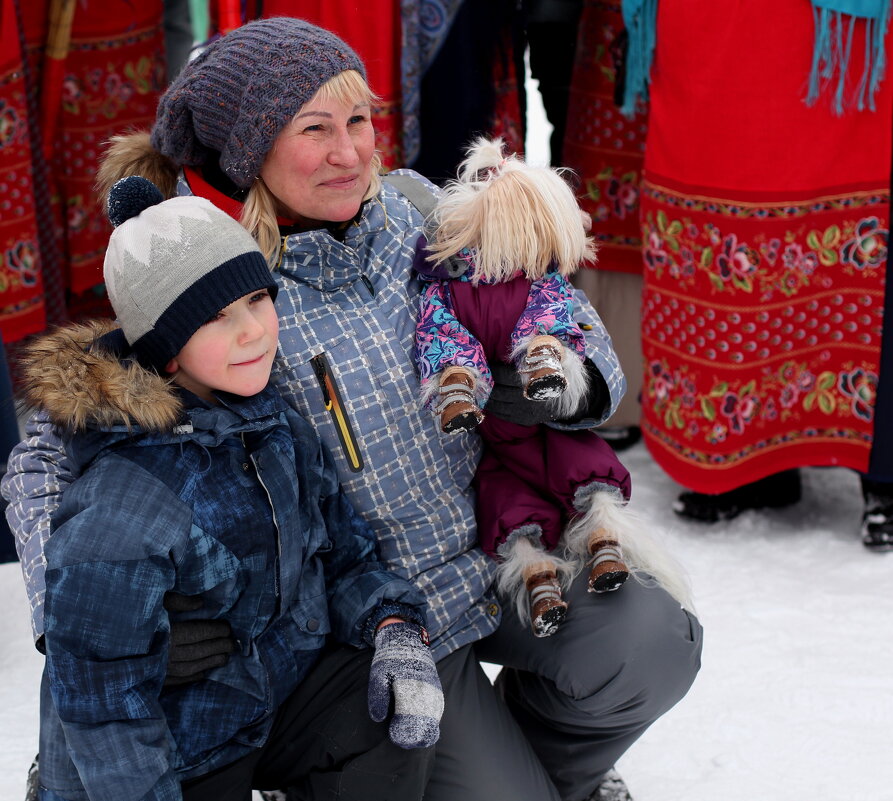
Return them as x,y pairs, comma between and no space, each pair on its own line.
260,207
511,215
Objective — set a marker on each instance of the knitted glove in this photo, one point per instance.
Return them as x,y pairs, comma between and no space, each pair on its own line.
196,646
403,668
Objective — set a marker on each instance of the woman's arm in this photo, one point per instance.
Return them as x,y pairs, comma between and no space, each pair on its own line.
38,471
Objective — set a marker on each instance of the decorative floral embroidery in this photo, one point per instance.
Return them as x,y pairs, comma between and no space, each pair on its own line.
861,386
620,193
22,262
12,126
763,266
726,409
868,247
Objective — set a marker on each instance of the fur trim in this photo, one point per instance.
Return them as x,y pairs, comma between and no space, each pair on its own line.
648,560
518,554
133,154
79,384
513,216
567,403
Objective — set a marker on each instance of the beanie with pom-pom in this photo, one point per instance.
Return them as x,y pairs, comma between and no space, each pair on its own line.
172,265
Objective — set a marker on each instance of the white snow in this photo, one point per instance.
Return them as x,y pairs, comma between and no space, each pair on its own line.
794,701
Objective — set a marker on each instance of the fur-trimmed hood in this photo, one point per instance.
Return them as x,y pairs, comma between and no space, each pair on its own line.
80,383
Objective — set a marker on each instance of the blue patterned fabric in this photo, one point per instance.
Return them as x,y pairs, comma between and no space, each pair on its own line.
243,511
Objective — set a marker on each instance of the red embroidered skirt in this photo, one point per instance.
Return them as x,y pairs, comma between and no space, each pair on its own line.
108,83
604,148
765,226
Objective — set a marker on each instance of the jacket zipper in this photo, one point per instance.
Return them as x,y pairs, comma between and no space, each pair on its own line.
335,407
276,576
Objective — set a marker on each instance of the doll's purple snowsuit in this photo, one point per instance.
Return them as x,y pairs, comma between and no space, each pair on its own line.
529,476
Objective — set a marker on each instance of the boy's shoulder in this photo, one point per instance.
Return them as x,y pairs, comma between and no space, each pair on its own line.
77,375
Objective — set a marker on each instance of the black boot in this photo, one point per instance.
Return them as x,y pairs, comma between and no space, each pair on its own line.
772,492
877,519
621,437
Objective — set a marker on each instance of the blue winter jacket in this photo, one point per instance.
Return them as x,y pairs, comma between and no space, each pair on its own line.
238,506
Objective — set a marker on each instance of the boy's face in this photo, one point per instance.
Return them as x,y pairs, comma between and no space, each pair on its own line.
233,351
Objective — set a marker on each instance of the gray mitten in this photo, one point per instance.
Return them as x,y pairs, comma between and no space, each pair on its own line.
403,668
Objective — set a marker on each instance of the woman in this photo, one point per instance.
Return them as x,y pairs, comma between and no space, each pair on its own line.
272,123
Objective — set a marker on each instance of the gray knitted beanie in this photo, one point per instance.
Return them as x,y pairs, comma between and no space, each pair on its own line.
172,265
243,89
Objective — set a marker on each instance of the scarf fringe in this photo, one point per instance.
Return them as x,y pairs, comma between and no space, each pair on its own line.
640,19
832,48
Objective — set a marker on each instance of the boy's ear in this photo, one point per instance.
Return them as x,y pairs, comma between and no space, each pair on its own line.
172,366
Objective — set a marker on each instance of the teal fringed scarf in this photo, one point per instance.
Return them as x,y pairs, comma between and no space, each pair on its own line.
834,22
834,27
640,19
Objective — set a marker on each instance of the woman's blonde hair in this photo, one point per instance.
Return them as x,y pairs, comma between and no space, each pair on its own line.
260,206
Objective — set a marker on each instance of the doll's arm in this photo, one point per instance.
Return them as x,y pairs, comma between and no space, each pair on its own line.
607,383
549,310
441,340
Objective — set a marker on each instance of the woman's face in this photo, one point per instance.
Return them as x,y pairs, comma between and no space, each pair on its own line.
320,165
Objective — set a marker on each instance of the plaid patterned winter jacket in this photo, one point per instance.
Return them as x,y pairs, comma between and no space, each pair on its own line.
347,307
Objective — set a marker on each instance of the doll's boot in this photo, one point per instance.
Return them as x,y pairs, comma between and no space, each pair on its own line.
547,607
542,374
456,403
609,571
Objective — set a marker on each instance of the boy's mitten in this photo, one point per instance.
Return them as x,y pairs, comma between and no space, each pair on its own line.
403,667
196,646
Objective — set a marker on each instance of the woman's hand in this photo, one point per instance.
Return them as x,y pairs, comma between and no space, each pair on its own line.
403,668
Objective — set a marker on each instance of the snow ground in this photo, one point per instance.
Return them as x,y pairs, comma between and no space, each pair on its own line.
794,701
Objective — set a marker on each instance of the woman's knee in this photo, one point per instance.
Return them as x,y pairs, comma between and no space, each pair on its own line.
636,649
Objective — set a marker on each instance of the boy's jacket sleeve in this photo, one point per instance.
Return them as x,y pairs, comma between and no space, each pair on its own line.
110,562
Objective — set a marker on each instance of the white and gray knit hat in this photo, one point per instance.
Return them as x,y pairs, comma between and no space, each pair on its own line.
171,265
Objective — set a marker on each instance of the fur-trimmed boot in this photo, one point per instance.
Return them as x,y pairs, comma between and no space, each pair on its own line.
547,607
456,402
531,578
609,571
542,375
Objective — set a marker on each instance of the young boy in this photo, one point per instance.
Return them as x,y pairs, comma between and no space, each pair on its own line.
198,483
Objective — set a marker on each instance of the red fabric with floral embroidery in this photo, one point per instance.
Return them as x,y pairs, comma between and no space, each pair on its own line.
114,75
110,82
603,147
765,225
22,309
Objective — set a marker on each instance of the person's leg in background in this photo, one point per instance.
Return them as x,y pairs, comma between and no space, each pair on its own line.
9,437
583,696
617,297
551,28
